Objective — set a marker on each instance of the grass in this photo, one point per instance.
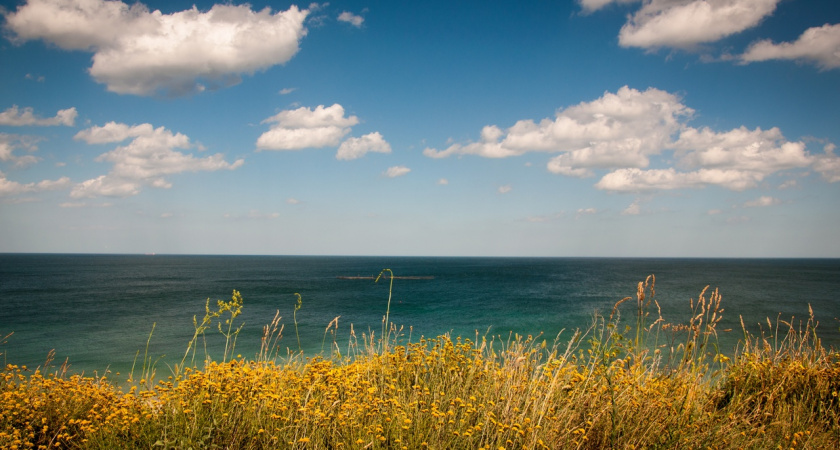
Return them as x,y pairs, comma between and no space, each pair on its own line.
637,383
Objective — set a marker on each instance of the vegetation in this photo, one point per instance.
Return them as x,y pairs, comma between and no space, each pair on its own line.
618,384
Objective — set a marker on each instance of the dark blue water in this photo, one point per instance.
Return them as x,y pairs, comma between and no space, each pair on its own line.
98,310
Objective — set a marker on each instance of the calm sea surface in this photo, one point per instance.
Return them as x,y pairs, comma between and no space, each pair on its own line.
98,310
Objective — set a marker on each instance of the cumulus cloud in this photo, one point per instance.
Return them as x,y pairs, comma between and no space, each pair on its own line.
737,159
617,130
638,180
9,187
763,151
396,171
113,132
686,24
306,128
354,148
150,156
351,18
26,117
828,164
819,45
621,132
142,52
9,143
505,189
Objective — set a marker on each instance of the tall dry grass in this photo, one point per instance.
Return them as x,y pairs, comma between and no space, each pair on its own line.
640,382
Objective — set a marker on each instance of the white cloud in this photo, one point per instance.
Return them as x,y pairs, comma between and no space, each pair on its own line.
26,117
594,5
789,184
113,132
443,182
757,150
585,212
738,159
351,18
638,180
634,209
137,51
146,160
762,201
685,24
396,171
616,130
292,201
8,187
820,45
11,142
828,164
354,148
306,128
621,132
505,189
545,218
286,91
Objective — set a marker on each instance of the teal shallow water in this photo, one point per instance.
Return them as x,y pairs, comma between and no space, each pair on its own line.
98,310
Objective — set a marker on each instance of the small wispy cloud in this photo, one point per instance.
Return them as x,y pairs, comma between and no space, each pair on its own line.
17,117
634,209
545,218
505,189
292,201
585,212
396,171
86,205
286,91
351,18
443,182
762,201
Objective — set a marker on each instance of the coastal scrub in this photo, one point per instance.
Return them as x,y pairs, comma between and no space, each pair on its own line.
642,382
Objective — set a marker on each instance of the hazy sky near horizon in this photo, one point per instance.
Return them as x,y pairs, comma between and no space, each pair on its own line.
487,128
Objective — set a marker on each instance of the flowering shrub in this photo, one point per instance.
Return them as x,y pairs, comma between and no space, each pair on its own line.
599,389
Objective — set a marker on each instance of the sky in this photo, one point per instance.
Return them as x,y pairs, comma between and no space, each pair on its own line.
614,128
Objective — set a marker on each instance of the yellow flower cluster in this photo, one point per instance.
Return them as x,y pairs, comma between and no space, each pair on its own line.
55,412
600,390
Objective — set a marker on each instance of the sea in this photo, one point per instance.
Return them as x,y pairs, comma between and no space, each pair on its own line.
103,313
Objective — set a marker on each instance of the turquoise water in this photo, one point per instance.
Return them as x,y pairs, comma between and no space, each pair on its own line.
98,310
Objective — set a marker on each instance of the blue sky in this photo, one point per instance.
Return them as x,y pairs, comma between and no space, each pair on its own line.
531,128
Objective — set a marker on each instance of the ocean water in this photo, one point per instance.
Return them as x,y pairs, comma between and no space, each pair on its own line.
97,311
